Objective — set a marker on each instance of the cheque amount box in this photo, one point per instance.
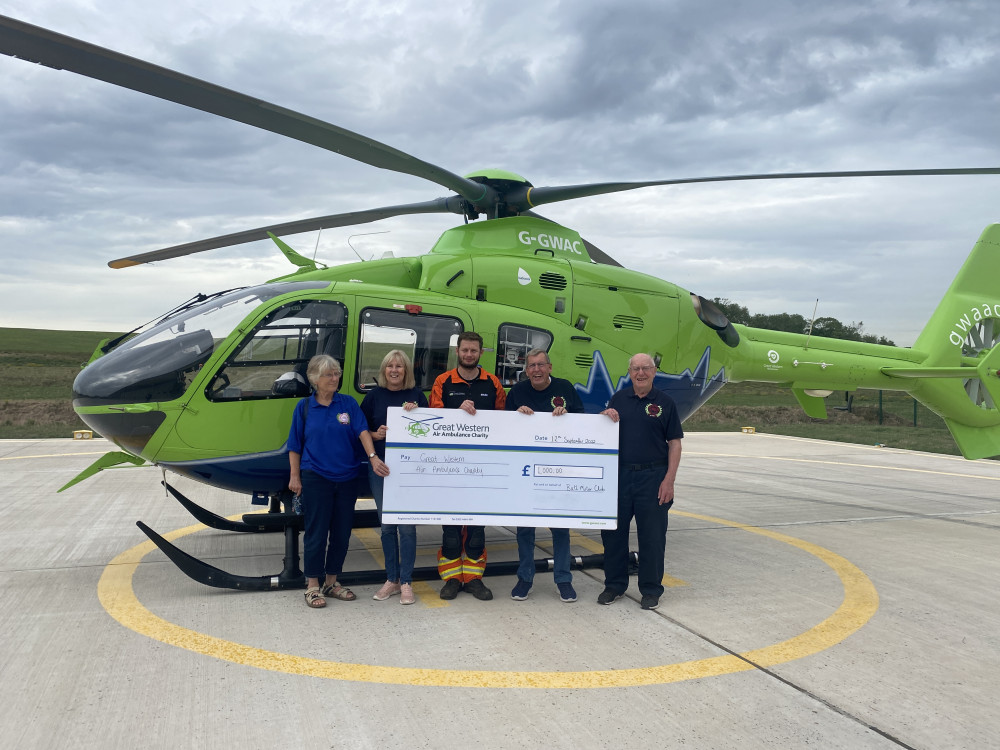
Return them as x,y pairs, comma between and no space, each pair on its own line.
569,472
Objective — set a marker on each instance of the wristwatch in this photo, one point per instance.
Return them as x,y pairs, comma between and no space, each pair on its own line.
371,455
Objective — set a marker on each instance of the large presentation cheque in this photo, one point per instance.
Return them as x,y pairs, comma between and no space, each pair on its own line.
501,468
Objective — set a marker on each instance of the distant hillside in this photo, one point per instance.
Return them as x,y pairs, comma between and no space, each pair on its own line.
37,368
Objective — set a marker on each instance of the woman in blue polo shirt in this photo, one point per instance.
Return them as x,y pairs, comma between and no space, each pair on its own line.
323,463
396,387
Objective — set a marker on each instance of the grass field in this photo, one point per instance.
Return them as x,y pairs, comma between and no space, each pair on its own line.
904,423
37,369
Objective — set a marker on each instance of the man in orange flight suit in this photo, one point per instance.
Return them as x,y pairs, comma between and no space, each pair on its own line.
462,557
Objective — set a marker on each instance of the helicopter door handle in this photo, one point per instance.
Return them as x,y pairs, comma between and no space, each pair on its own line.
579,338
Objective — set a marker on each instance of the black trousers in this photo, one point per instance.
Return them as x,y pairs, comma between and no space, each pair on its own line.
451,542
637,499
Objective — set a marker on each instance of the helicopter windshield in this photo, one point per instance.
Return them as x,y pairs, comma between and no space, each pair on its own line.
159,364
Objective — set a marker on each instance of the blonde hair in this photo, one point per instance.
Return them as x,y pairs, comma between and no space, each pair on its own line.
396,354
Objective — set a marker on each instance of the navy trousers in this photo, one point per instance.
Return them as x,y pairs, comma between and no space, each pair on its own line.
637,499
328,508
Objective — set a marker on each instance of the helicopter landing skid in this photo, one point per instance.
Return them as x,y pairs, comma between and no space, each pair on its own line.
256,523
291,577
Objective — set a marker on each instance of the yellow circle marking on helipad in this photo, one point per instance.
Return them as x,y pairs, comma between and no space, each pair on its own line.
859,605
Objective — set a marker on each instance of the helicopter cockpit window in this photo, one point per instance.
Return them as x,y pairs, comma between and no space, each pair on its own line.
160,364
429,341
513,342
272,361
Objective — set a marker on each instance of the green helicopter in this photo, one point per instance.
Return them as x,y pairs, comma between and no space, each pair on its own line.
208,390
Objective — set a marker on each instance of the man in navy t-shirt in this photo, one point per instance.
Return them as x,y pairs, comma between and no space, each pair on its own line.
543,393
649,450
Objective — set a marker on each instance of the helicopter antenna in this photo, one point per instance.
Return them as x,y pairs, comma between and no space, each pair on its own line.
811,322
316,249
384,231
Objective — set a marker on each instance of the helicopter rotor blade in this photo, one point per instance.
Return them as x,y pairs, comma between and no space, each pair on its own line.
452,204
525,198
38,45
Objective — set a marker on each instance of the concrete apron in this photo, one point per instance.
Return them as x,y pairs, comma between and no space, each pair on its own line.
817,593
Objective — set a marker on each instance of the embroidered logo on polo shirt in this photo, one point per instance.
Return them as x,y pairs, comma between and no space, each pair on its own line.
344,418
558,402
653,410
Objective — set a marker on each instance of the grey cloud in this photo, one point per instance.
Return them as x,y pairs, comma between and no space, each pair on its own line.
562,93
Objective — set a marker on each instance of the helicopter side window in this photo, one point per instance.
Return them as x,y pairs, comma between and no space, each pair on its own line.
429,341
272,361
513,343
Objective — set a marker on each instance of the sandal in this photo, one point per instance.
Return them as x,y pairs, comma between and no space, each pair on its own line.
314,598
336,591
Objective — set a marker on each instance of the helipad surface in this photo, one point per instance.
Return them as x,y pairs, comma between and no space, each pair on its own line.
820,594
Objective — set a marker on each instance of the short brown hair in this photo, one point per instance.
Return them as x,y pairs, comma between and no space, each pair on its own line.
469,336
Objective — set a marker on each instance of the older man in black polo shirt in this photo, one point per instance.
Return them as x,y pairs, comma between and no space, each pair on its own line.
649,451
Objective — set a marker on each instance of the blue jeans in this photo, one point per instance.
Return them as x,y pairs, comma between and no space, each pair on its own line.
561,561
637,497
399,542
328,508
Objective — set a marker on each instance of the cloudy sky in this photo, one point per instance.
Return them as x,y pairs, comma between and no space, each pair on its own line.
562,93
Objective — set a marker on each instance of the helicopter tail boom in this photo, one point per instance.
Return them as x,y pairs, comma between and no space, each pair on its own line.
953,368
960,377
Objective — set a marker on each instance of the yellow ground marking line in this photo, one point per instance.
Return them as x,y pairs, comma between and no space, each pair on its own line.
372,540
843,463
859,604
373,543
594,547
427,594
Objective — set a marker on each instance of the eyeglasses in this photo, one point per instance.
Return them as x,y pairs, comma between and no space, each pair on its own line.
642,368
536,365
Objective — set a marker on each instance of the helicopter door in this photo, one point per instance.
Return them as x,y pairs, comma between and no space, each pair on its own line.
247,405
428,339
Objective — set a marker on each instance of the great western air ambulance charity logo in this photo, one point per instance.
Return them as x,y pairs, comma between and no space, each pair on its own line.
419,428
